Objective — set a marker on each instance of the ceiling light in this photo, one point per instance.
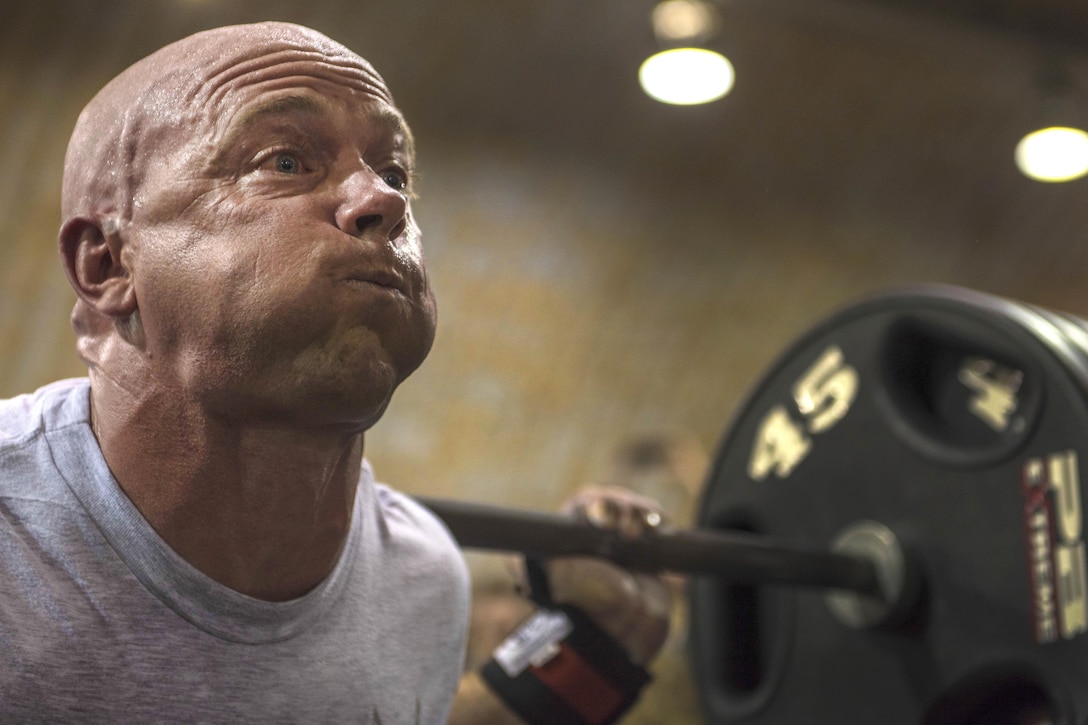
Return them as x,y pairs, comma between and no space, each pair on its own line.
1053,154
686,76
679,20
1059,150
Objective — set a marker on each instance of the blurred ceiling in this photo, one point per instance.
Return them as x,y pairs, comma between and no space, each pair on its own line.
902,110
1052,22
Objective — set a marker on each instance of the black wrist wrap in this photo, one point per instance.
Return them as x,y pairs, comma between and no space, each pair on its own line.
559,668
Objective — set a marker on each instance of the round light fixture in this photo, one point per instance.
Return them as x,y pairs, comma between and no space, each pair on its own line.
686,76
1053,154
683,20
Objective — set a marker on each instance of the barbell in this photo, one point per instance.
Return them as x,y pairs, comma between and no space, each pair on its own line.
892,529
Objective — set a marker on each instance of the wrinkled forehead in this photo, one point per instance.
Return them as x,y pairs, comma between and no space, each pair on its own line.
173,94
270,56
231,65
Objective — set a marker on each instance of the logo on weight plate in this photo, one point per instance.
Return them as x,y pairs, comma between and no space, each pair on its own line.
994,387
1054,523
822,396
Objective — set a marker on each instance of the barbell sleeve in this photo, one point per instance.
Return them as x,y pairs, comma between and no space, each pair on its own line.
730,555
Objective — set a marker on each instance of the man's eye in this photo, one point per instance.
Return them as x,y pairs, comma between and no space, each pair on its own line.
286,164
396,179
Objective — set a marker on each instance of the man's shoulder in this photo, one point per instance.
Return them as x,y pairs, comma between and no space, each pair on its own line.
30,481
414,532
401,511
26,417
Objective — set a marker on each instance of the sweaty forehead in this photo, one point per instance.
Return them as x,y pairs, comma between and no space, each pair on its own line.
277,62
169,95
239,61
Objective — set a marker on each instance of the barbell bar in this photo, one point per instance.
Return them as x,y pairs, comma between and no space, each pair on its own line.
866,568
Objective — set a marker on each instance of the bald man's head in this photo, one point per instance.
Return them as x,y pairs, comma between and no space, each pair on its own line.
164,99
238,228
163,102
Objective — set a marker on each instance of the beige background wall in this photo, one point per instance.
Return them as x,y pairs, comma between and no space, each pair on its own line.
600,272
605,266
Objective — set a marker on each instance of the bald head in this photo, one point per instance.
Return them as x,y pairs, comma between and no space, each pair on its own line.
164,99
168,102
238,229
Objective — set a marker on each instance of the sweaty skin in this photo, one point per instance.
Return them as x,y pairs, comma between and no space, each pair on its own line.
251,285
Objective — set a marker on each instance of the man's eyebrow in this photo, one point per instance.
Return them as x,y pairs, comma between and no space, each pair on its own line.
385,117
391,121
273,107
249,118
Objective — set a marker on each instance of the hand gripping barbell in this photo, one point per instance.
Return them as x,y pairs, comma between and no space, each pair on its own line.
892,530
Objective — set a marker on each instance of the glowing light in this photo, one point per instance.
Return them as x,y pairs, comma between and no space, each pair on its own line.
686,76
682,19
1053,154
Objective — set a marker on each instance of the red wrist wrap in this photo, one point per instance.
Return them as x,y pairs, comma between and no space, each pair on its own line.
560,668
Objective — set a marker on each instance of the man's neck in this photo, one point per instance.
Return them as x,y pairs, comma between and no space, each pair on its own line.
264,510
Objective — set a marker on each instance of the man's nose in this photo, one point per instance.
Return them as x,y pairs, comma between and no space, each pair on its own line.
371,206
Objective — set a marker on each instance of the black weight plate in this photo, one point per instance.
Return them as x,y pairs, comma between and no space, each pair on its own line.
958,420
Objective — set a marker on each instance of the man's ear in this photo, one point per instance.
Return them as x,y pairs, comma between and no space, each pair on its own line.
90,249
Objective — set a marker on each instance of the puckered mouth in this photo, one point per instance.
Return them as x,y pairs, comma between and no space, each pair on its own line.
380,278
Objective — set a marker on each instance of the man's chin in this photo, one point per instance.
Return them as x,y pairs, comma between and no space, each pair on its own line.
356,403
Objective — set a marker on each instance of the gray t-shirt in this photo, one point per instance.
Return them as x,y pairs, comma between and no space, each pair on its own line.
100,621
